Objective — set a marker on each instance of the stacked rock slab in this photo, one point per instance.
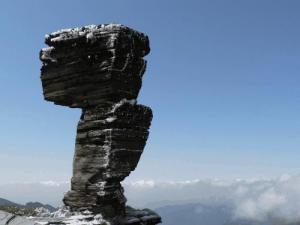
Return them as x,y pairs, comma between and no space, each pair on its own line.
99,69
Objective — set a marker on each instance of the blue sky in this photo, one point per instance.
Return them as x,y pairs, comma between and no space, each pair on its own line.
222,79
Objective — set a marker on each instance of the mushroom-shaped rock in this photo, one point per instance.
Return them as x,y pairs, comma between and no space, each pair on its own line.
99,68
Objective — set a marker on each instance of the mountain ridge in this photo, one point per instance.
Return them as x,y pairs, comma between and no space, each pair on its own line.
5,202
210,214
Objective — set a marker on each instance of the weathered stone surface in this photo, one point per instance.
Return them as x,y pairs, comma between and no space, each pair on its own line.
10,219
138,217
93,65
109,144
100,69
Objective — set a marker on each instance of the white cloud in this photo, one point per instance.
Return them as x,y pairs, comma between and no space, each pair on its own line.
142,184
254,199
52,183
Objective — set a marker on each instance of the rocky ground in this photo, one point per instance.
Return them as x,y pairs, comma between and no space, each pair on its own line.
12,219
42,216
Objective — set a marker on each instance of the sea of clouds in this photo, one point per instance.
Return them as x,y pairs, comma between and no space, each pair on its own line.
258,200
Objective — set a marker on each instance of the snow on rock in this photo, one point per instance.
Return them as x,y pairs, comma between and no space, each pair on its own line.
110,119
64,216
81,219
85,31
122,102
46,54
42,212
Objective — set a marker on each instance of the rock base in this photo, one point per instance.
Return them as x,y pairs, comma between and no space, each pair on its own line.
66,217
139,217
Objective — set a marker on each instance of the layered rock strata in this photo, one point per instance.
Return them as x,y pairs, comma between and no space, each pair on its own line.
99,69
93,65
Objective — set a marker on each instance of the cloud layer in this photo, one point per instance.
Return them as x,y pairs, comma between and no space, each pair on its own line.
259,200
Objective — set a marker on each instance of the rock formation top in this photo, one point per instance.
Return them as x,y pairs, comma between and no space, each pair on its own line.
104,35
93,65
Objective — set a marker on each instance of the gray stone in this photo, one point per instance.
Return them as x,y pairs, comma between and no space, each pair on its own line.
99,69
10,219
93,65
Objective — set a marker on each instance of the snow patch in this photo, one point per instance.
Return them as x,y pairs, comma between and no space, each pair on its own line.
87,31
71,218
81,219
122,102
46,54
110,119
42,212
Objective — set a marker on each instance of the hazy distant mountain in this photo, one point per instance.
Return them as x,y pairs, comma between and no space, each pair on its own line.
199,214
5,202
195,214
39,205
